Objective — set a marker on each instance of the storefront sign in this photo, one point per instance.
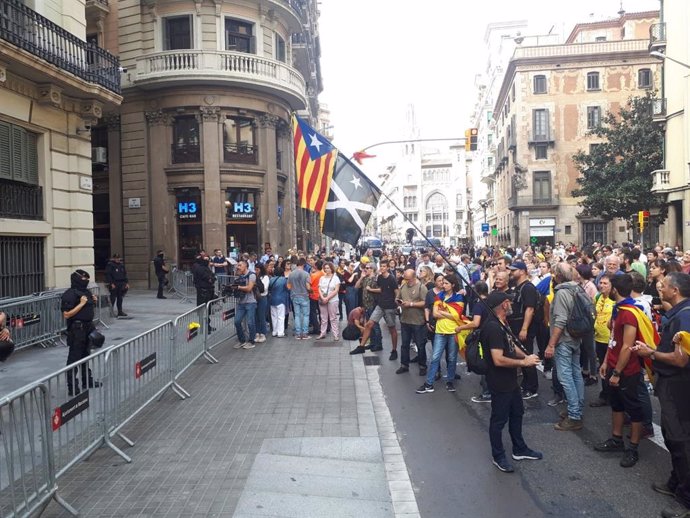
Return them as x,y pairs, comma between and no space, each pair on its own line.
542,222
188,210
541,232
239,210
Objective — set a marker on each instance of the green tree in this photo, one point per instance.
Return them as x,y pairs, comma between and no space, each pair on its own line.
616,178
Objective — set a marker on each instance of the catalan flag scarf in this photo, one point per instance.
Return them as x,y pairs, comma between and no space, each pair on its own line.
454,303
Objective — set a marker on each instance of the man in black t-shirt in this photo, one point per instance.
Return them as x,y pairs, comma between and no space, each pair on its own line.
523,323
385,294
504,358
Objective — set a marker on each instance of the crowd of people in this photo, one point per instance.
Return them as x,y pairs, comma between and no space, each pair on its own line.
523,301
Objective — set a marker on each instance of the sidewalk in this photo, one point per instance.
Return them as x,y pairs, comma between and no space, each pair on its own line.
144,312
290,429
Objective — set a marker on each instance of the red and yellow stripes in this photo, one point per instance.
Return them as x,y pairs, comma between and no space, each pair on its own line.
313,176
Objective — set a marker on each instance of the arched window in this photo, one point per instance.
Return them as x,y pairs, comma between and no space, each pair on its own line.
436,215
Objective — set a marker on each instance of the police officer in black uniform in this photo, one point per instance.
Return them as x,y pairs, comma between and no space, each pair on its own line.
116,278
161,271
77,307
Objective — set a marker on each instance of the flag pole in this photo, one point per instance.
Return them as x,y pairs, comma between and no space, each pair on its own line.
468,287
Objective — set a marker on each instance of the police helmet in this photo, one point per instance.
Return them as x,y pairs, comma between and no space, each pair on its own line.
96,339
6,348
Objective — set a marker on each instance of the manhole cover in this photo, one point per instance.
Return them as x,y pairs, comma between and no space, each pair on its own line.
372,360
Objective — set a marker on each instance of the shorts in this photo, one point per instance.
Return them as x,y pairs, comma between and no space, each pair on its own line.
387,314
624,397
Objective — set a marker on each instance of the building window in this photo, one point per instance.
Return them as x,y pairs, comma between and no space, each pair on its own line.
18,154
644,78
22,268
593,81
541,152
177,32
593,147
239,141
568,229
600,38
594,232
437,214
540,125
410,202
185,147
540,84
280,49
593,117
238,36
490,162
541,187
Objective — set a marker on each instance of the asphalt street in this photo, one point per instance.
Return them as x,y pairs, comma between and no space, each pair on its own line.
444,437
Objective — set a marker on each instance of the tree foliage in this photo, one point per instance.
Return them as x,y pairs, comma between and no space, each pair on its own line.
616,178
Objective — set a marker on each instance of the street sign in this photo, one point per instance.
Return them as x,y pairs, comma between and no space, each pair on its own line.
485,227
533,239
494,231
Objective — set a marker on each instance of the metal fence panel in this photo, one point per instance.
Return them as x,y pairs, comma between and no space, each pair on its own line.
221,313
139,371
183,284
27,470
190,339
34,321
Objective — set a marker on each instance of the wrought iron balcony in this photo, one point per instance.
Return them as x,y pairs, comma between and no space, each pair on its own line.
240,153
532,202
28,30
227,68
657,36
540,138
21,200
186,154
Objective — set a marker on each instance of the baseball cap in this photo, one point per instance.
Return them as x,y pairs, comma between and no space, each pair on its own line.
518,265
496,298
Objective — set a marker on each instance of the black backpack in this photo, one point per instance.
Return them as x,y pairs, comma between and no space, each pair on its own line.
474,354
581,318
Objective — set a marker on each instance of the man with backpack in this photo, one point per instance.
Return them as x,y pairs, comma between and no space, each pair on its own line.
570,318
503,358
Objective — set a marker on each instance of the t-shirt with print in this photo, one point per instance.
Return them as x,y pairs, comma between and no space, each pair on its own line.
388,285
368,300
623,318
492,336
298,280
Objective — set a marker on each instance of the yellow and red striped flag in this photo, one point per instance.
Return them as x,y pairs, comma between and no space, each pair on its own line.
315,159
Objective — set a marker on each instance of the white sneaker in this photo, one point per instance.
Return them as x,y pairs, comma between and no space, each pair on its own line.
260,339
248,345
274,334
238,345
280,336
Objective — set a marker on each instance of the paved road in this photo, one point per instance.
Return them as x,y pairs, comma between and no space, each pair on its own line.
445,442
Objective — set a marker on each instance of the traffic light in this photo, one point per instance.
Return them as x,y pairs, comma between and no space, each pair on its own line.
642,219
471,139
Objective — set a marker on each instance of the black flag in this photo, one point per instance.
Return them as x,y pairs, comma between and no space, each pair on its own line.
351,201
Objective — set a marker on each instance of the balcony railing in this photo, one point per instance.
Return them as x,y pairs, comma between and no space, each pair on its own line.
580,49
528,201
28,30
186,154
661,180
208,65
540,138
657,36
240,153
21,200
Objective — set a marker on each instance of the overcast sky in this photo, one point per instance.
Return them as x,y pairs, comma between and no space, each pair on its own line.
378,56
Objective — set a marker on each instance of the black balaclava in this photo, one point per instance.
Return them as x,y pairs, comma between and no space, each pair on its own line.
77,281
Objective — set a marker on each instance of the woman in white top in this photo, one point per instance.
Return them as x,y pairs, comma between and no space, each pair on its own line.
329,284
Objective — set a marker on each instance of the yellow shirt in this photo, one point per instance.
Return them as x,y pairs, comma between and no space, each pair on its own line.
604,309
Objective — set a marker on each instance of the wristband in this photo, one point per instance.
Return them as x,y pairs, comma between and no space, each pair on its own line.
614,372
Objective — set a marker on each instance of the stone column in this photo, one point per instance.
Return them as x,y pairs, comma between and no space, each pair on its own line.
287,223
269,198
161,217
117,244
214,220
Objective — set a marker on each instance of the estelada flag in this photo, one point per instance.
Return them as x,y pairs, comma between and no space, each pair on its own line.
646,333
315,160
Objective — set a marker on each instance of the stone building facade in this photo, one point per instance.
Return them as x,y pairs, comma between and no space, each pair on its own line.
53,88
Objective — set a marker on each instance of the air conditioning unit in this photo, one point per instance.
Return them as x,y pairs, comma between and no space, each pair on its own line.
99,155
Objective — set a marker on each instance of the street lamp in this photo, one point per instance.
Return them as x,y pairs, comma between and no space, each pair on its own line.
664,57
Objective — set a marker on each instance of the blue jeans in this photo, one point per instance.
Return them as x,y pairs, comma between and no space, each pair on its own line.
261,313
247,311
443,343
375,338
301,307
570,376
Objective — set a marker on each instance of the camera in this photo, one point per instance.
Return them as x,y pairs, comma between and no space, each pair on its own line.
232,289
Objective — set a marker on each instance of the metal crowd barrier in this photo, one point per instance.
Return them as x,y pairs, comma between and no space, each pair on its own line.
51,425
27,470
183,284
38,320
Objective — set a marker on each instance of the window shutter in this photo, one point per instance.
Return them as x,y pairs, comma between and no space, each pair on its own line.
5,148
32,158
547,124
19,172
252,45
